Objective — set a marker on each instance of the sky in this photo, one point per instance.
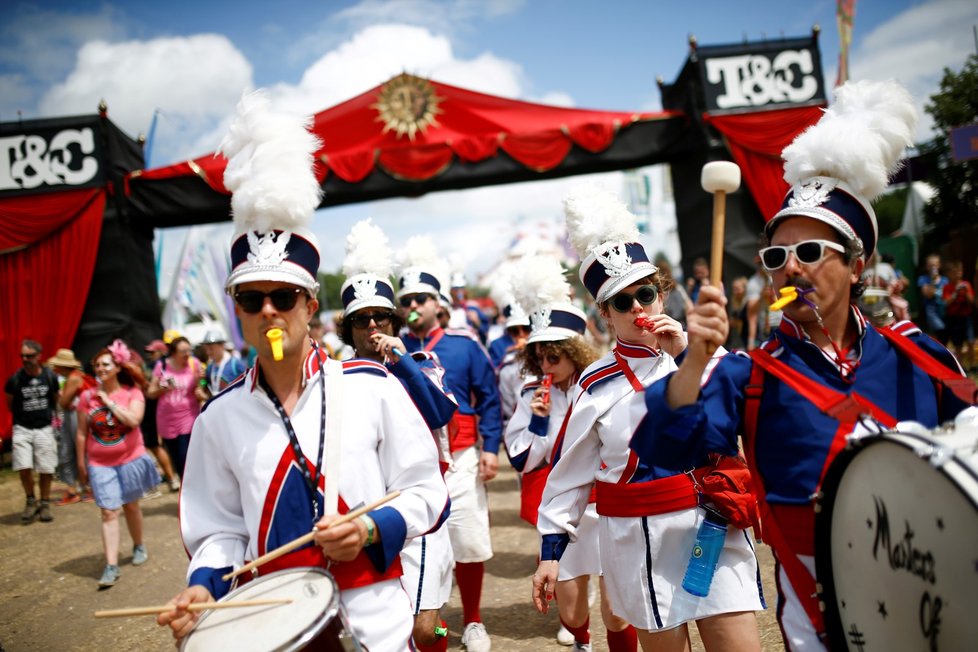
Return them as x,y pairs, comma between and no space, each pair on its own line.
189,62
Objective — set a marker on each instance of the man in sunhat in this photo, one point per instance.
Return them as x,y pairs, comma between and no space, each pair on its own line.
300,438
222,367
824,348
74,382
32,396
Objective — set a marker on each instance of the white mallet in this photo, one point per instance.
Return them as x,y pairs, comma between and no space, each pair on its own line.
719,178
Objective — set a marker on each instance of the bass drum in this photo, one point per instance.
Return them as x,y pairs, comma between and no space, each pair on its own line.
314,620
896,540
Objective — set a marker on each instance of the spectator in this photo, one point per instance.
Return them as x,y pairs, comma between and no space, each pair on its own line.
113,459
32,396
931,284
737,312
157,350
75,381
959,302
222,367
678,302
700,277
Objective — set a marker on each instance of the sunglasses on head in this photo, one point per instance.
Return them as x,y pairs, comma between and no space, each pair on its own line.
284,299
645,295
362,320
419,299
808,252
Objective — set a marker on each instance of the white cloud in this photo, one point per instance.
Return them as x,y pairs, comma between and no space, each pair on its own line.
194,81
915,46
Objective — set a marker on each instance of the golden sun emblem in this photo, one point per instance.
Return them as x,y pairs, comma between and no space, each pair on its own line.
407,105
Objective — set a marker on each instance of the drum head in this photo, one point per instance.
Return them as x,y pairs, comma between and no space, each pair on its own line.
896,547
315,602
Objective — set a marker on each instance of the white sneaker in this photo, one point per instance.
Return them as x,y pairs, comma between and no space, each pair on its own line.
564,637
475,638
582,647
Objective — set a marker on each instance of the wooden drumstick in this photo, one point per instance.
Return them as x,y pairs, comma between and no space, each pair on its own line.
719,178
193,606
306,538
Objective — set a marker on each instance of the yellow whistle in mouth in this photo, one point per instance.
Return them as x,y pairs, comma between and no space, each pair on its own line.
274,336
788,294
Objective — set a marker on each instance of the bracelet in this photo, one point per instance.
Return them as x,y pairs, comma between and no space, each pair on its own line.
371,529
113,405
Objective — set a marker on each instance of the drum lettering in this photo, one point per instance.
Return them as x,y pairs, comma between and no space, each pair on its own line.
901,554
930,618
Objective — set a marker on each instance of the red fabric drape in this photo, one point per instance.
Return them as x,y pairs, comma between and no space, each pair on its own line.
539,151
43,288
756,141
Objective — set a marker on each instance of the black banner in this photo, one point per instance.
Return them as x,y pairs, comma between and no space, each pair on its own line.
770,74
46,155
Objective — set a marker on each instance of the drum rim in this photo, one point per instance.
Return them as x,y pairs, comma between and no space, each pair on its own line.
303,638
824,575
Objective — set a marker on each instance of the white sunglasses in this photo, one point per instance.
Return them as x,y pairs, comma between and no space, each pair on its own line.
808,252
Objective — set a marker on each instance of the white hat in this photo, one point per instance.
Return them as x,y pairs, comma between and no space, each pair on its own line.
501,293
422,270
213,336
606,238
274,192
367,267
839,165
540,285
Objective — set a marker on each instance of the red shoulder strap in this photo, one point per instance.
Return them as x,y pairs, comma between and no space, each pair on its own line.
801,579
962,387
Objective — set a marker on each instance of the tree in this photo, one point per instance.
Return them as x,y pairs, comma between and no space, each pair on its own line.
955,204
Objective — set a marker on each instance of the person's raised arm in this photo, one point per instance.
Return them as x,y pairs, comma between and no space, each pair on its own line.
707,327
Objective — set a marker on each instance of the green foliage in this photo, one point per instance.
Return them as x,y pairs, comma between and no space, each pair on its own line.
889,210
956,201
329,291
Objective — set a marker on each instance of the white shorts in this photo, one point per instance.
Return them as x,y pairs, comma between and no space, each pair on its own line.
644,561
427,562
380,616
468,524
35,448
582,557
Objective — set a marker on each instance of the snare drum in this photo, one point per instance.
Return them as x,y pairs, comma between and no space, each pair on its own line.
314,620
896,541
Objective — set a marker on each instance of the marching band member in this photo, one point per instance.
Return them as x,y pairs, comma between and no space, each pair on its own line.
504,350
825,370
256,474
370,324
470,377
648,513
553,358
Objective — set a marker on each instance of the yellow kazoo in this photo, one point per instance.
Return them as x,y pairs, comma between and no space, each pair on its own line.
788,294
274,336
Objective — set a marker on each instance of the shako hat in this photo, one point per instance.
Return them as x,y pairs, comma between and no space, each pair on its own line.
367,268
540,285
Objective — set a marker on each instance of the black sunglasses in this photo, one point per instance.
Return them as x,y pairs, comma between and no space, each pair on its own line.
645,295
361,320
284,299
808,252
517,330
419,299
28,356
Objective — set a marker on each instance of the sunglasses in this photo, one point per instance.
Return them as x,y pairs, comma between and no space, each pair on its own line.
419,299
518,330
645,295
363,320
28,356
284,299
808,252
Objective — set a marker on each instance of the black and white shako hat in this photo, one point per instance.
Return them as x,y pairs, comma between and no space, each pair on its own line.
540,284
606,237
274,193
367,268
422,270
839,165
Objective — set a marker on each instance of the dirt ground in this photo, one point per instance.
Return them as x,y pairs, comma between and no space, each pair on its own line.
49,571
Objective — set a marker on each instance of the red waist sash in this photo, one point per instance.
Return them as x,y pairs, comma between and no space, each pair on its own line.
348,574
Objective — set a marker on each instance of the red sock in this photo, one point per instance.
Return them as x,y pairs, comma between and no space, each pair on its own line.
469,579
624,641
440,646
582,634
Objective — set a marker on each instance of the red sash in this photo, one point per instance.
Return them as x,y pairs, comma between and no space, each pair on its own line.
463,431
532,484
348,574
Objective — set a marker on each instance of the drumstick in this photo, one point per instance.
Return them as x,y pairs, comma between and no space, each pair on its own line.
306,538
719,178
193,606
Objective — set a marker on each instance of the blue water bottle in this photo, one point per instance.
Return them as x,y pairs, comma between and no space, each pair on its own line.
705,554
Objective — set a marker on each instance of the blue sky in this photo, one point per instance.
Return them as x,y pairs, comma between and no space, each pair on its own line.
192,60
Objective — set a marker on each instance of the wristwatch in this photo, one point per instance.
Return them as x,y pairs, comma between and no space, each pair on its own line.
371,529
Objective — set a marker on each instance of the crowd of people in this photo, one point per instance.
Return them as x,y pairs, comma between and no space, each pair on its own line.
632,424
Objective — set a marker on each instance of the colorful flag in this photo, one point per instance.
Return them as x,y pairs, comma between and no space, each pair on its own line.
845,14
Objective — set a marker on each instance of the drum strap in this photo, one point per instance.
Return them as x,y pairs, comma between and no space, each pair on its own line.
962,387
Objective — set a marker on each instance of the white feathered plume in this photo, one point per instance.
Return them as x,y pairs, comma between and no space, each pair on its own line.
270,167
860,139
594,216
501,290
540,281
420,251
367,251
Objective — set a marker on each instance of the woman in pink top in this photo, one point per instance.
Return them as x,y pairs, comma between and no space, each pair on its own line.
118,469
176,385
